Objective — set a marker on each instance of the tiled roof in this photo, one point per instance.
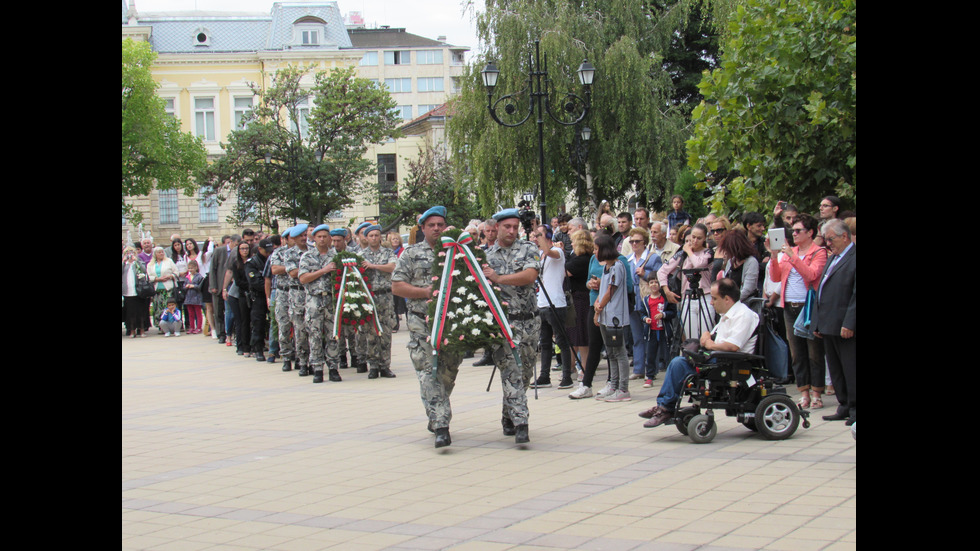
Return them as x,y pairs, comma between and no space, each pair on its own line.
174,32
388,38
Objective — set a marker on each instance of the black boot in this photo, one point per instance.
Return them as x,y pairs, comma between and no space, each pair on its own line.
318,376
343,361
335,376
485,360
521,436
259,357
304,371
387,374
287,365
508,425
442,437
373,374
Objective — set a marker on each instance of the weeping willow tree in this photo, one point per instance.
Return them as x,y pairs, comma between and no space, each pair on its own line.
638,133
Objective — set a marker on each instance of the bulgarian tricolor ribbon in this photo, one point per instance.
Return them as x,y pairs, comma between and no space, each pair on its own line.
460,245
349,267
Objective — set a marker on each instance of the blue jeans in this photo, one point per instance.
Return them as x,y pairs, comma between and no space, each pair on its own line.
639,330
677,370
658,341
230,316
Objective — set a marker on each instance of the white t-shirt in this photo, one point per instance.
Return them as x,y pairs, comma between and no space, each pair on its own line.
736,327
553,276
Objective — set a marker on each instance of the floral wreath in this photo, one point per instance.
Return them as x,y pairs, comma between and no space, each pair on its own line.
464,313
355,301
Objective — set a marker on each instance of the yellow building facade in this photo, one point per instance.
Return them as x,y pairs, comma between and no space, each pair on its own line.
206,62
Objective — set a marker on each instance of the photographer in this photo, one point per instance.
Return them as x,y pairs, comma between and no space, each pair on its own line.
551,293
695,259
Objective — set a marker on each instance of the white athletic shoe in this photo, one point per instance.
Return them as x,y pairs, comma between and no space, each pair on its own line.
619,396
605,392
581,392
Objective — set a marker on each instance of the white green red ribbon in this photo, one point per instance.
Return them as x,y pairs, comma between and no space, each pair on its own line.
445,289
350,267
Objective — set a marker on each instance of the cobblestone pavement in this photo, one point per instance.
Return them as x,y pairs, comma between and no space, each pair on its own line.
223,452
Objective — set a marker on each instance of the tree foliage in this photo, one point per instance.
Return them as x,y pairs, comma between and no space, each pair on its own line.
638,134
154,150
779,117
345,114
432,180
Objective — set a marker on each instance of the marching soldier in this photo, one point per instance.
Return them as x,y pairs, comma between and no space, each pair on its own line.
512,264
412,279
297,299
277,264
379,263
316,269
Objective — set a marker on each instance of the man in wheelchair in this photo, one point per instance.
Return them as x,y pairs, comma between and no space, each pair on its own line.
735,332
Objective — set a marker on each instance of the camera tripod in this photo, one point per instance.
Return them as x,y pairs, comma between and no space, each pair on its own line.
693,295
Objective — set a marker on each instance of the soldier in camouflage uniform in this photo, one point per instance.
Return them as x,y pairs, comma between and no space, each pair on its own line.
379,263
277,265
316,272
412,279
512,265
297,300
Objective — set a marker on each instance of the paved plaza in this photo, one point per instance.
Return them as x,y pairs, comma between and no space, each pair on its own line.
223,452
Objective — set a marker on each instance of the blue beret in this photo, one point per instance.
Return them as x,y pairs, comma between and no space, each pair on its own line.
341,232
362,225
436,211
298,230
371,228
285,232
505,214
321,227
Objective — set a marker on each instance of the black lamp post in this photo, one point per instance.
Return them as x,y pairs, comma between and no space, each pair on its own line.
539,103
580,156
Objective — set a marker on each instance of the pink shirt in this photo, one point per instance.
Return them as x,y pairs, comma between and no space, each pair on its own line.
809,267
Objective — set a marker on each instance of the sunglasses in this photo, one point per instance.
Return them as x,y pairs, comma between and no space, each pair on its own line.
636,241
798,230
718,230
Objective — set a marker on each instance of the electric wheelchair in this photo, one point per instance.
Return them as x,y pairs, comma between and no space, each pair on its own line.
739,384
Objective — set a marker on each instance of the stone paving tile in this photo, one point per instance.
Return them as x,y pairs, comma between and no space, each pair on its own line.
222,452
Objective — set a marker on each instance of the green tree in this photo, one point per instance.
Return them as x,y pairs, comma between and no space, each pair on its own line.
638,134
301,152
432,180
154,150
778,121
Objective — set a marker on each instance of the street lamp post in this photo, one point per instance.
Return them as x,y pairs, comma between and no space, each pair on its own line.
539,103
580,156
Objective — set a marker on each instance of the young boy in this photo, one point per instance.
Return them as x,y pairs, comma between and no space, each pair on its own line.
170,319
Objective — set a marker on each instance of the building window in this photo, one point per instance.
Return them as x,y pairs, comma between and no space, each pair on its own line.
311,38
243,105
431,84
428,57
403,111
398,57
459,58
202,37
204,118
169,107
370,58
168,207
387,184
396,85
423,109
302,113
208,207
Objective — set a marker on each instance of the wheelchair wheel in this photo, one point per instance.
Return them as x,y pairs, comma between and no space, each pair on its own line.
698,431
776,417
683,418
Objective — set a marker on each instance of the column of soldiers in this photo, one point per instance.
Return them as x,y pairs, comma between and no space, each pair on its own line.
305,277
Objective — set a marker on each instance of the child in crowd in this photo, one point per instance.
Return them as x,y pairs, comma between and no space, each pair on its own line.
612,311
659,310
170,320
194,301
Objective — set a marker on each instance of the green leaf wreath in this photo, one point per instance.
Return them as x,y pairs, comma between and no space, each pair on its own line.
356,306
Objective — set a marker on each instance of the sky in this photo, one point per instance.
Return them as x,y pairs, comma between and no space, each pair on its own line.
429,18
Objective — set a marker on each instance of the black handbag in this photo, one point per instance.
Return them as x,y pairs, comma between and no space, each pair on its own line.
144,289
613,336
180,293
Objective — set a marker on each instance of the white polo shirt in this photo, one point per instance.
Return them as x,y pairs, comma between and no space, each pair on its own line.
553,277
736,327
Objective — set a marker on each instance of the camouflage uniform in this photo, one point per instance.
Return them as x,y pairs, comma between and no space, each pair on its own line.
320,310
281,313
414,267
297,309
377,348
522,312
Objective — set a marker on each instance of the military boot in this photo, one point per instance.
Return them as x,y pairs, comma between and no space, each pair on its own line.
287,365
521,436
442,437
318,376
508,425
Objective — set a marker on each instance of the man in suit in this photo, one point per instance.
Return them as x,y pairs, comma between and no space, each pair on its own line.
834,318
216,275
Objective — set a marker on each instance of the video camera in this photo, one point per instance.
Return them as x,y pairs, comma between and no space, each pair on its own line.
526,215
